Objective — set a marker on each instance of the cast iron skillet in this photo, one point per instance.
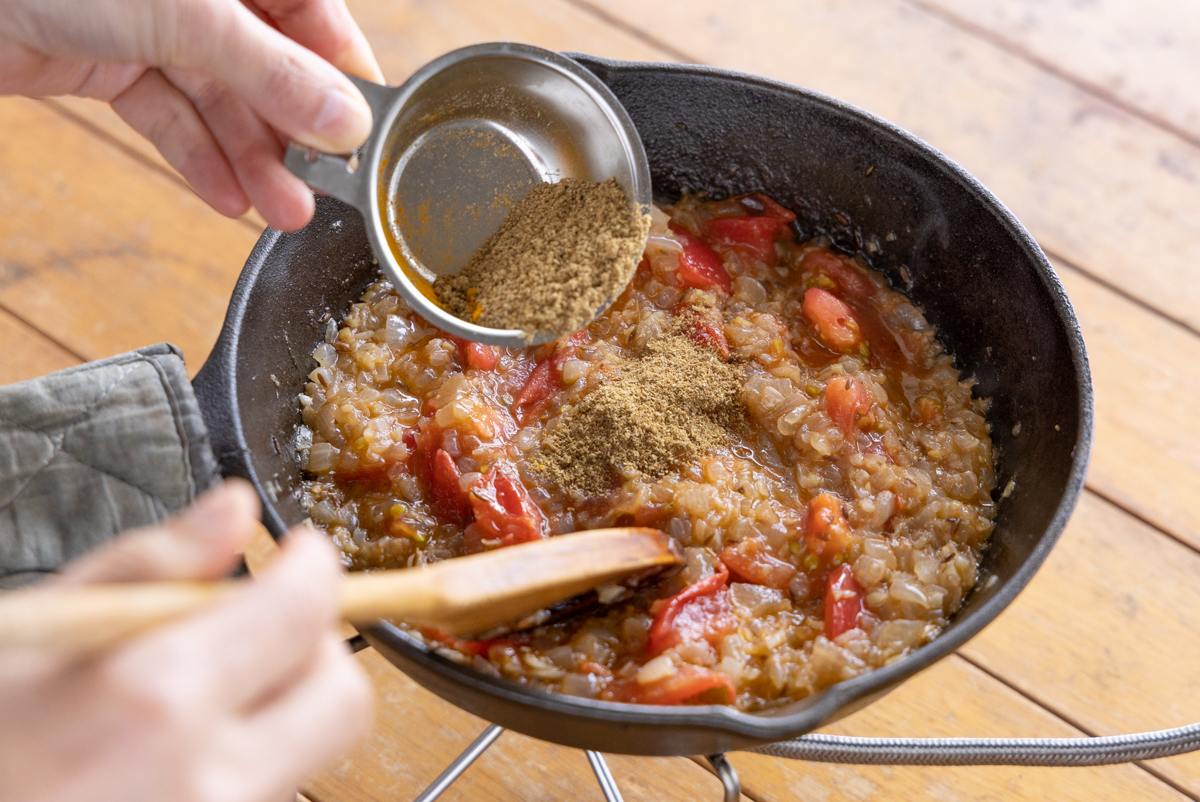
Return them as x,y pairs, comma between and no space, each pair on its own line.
932,229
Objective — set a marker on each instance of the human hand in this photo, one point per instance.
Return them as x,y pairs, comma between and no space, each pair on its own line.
237,704
219,86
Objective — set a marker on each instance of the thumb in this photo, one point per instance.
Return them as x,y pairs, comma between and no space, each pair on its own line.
202,542
293,89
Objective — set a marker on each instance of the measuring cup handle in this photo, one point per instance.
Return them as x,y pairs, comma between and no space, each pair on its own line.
332,174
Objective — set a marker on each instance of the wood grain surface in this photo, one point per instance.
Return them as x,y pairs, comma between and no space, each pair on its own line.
1144,55
1083,117
101,253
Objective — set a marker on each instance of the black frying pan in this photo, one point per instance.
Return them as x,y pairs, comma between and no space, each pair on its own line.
931,228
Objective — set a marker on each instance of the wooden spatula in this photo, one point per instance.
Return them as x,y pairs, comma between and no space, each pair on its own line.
461,596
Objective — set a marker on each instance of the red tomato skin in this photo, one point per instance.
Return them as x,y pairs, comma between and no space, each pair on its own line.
755,235
476,648
503,511
475,355
846,399
446,495
699,265
826,531
750,561
773,209
700,611
850,281
688,682
702,329
843,602
545,378
834,321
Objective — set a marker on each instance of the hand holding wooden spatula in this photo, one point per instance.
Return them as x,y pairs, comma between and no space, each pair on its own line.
461,596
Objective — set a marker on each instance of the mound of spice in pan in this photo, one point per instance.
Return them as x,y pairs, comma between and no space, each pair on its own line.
669,405
563,251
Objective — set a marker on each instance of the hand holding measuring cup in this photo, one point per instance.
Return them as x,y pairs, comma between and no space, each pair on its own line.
219,86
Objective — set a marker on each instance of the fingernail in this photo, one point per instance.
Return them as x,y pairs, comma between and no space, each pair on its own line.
343,123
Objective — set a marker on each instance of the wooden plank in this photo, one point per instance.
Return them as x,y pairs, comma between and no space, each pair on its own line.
1142,366
100,118
103,251
1095,185
1144,54
416,735
1107,632
26,353
951,699
406,34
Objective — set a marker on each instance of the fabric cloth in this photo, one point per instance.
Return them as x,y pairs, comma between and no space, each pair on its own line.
93,450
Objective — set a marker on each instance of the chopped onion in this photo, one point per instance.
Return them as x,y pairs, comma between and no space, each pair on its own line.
896,636
399,331
321,457
325,355
663,242
660,667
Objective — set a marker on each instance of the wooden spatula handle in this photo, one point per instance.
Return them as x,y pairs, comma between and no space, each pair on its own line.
464,595
92,617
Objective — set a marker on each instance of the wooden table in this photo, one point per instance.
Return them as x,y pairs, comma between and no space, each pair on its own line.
1083,117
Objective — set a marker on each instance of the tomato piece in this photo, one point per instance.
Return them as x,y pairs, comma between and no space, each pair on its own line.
773,209
702,327
833,319
754,235
475,648
446,495
537,388
847,399
700,611
825,528
850,281
688,683
750,561
546,377
843,602
699,265
505,515
475,355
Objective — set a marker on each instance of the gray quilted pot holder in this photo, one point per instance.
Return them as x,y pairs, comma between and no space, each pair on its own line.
93,450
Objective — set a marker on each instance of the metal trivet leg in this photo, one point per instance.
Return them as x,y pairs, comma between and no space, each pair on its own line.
729,778
608,783
460,764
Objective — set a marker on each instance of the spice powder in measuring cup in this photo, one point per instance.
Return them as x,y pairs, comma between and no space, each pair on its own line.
563,252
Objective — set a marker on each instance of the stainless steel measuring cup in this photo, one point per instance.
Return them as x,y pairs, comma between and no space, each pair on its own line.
457,145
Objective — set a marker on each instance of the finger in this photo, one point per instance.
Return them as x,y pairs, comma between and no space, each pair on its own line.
252,149
247,647
164,115
327,28
202,542
293,89
317,719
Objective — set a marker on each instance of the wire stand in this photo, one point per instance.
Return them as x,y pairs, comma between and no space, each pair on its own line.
461,763
608,784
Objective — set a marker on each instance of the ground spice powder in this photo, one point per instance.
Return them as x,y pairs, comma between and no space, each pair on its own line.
670,404
564,251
